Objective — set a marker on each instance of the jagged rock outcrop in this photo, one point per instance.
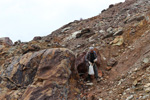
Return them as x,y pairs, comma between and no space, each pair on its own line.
37,38
121,35
38,76
6,41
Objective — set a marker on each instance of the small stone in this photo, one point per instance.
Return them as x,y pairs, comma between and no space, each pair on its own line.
131,47
109,30
117,41
1,46
102,31
77,90
145,96
147,85
147,90
119,32
108,68
89,84
130,97
136,69
87,32
135,83
65,29
124,93
78,45
148,69
89,89
73,35
146,60
112,62
132,32
110,92
104,58
139,18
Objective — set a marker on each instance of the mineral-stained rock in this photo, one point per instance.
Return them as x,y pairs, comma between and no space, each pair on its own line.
112,62
73,35
46,73
17,42
6,41
109,33
110,6
135,18
119,32
118,41
147,85
145,60
81,63
65,29
130,97
147,90
31,48
37,38
85,33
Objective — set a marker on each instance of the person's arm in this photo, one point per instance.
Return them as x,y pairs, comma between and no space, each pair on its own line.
87,58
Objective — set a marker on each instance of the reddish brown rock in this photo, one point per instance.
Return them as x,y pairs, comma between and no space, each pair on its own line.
37,38
6,41
46,73
82,65
134,19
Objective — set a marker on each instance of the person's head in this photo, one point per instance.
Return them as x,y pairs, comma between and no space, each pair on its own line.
91,49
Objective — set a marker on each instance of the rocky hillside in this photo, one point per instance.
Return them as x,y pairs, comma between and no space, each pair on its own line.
53,67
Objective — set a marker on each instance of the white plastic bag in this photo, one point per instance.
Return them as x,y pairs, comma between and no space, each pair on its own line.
91,70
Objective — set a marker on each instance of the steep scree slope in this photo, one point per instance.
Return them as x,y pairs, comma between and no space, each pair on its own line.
121,37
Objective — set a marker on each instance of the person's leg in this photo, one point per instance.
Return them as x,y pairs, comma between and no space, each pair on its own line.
89,78
95,71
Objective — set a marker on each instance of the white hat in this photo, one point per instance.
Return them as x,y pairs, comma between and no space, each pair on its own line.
91,48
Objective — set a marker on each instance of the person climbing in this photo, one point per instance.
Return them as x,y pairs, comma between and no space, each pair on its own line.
91,58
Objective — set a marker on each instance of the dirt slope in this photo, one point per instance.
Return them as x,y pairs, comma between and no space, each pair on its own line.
121,37
121,34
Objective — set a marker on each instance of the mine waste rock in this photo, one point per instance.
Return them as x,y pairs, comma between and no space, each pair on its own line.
53,67
5,41
42,75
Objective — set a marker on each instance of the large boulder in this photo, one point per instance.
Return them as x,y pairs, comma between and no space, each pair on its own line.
6,41
41,75
82,65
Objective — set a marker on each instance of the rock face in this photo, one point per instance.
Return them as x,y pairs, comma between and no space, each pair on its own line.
121,34
46,73
6,41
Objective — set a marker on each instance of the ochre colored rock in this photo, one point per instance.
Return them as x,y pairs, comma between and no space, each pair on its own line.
6,41
45,74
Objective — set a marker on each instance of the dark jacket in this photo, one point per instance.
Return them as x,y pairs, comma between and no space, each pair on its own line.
91,56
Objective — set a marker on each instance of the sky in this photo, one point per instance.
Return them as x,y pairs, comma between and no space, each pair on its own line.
25,19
